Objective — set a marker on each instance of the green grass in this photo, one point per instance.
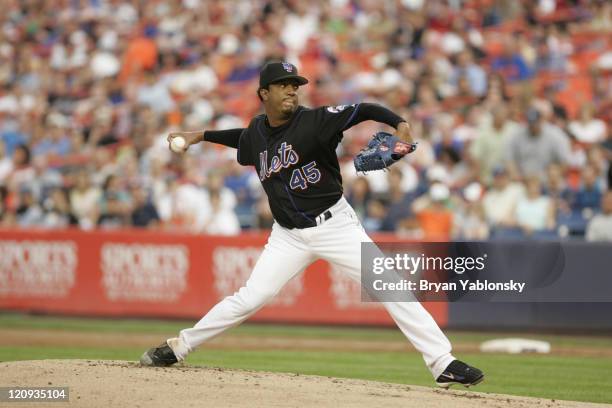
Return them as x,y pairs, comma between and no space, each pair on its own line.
152,326
100,325
549,376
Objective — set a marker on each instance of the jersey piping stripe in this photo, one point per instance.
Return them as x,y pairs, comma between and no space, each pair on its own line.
238,152
346,125
295,207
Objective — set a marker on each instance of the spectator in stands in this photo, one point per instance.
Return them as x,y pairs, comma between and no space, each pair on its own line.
427,103
497,93
397,202
29,212
559,116
474,74
244,69
215,185
600,226
3,195
84,198
489,147
144,214
377,212
115,204
558,190
553,51
7,208
457,170
11,131
500,200
221,220
155,94
433,213
104,165
57,212
470,220
56,142
23,173
6,164
534,211
466,128
245,185
511,63
533,148
587,128
445,136
596,158
8,219
184,206
588,197
462,97
601,13
526,47
46,177
359,196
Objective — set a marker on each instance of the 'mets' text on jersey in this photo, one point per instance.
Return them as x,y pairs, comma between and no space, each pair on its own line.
297,162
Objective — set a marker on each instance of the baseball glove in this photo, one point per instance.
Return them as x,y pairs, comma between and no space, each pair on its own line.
383,150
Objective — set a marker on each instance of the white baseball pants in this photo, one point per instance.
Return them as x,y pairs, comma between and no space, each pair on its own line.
286,254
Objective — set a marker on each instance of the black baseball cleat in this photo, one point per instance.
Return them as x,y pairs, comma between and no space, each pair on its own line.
160,356
458,372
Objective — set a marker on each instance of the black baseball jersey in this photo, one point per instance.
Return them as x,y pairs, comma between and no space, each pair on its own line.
297,162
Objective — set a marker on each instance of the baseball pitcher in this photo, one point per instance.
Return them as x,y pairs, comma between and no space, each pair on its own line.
293,150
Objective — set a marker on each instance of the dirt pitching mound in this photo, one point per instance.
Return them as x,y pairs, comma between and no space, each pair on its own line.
126,384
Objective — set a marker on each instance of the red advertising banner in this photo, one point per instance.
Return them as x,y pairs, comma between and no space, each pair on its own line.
159,274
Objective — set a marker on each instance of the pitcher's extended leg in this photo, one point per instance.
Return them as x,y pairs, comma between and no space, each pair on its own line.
283,258
339,242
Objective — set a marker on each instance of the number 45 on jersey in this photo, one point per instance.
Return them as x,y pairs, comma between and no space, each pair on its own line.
302,176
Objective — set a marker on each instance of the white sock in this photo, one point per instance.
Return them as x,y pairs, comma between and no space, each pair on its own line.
178,347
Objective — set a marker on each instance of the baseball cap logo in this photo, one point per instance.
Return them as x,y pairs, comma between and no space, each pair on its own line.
288,67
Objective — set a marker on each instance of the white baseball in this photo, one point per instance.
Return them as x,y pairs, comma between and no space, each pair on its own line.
178,144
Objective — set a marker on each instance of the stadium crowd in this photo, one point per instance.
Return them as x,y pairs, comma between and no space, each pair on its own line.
510,101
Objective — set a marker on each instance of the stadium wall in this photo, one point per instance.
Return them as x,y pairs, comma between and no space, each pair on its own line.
160,274
155,274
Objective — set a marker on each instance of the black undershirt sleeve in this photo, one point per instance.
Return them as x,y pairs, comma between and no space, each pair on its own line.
376,112
227,137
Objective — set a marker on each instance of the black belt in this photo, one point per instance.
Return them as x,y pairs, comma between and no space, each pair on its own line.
324,216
